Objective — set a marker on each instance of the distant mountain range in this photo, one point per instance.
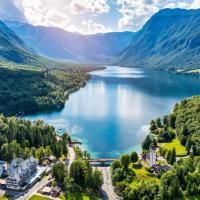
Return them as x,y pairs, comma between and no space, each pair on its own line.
59,44
169,40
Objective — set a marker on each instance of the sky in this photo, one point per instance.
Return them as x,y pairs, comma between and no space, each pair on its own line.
89,16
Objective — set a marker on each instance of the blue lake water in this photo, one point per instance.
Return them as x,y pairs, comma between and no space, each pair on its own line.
110,115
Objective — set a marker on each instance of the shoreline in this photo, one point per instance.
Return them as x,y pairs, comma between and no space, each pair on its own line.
67,93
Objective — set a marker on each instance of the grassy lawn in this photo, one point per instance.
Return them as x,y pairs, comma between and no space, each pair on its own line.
78,196
4,198
192,198
38,197
180,149
44,176
142,175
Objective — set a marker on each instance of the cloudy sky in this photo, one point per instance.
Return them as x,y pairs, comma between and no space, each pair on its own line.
89,16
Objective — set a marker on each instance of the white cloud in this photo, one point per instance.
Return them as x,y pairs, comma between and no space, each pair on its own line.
195,4
39,12
91,27
93,6
136,13
80,15
36,13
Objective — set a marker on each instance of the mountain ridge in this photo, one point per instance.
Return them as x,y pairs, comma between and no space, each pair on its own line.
57,43
169,40
13,48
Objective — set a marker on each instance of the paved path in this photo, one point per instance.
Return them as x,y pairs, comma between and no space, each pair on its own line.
107,187
71,155
34,189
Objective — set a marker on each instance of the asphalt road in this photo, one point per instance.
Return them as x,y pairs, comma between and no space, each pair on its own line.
34,189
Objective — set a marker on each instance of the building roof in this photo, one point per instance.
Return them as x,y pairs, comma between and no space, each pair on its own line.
56,189
2,181
46,189
20,167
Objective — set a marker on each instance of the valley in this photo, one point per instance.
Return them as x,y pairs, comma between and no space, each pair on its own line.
90,115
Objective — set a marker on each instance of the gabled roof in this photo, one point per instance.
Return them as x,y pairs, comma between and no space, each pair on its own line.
20,167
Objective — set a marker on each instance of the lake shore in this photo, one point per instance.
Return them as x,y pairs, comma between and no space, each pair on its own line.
115,105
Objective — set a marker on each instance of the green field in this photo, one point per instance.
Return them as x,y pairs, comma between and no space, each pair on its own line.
78,196
38,197
141,175
180,149
3,198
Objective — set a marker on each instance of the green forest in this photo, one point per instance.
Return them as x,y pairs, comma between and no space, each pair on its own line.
29,89
176,137
23,138
81,180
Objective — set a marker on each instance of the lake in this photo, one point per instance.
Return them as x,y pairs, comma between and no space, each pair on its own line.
110,115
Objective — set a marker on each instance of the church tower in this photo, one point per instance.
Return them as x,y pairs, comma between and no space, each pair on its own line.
152,156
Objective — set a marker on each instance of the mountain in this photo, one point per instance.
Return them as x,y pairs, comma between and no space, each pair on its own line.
13,49
169,40
59,44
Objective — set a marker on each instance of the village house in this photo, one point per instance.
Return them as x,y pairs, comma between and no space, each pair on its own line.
162,168
51,191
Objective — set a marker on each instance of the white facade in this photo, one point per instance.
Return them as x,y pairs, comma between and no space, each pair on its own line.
20,173
152,157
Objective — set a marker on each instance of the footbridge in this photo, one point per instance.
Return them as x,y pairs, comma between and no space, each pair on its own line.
102,161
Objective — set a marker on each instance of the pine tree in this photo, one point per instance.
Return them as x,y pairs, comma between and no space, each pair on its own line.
173,156
168,156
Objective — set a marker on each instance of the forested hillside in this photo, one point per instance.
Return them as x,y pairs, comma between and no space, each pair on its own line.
26,89
188,123
13,49
169,40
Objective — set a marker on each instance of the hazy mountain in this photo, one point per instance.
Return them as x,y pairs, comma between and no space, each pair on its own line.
12,48
57,43
170,39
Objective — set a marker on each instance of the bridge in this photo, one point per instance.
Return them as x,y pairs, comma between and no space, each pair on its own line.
75,142
102,161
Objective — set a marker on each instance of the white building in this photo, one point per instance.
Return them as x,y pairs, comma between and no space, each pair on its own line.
152,157
20,173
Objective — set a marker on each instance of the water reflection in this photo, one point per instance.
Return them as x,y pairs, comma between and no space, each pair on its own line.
111,114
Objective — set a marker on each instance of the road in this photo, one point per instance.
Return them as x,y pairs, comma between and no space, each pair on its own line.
107,187
71,155
34,189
